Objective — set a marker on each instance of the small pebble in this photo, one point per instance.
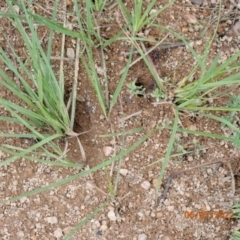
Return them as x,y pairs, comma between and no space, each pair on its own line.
190,18
103,227
151,40
123,172
142,236
197,2
69,26
107,150
152,11
192,127
146,185
97,224
159,215
67,230
154,182
58,233
52,220
100,70
236,27
16,9
199,42
70,53
166,237
209,171
170,208
112,216
153,215
20,234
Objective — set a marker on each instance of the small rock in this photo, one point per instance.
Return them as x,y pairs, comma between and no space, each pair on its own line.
166,237
146,32
199,42
140,34
103,227
69,26
192,127
236,27
100,70
121,58
52,220
209,171
107,150
70,53
67,230
23,200
197,2
184,30
159,215
170,208
151,40
111,208
190,18
140,215
58,233
146,185
152,11
97,224
16,9
123,172
153,215
142,236
154,182
112,216
20,234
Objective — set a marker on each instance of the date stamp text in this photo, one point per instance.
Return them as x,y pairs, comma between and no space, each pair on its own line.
216,214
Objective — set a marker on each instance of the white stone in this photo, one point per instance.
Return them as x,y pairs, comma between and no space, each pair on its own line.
209,171
123,171
16,9
67,230
112,216
107,150
58,233
23,199
170,208
146,185
104,227
52,220
142,236
190,18
97,224
199,42
70,52
20,234
69,26
152,11
100,70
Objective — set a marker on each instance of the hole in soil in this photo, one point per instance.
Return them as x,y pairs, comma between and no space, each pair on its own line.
82,118
82,121
141,87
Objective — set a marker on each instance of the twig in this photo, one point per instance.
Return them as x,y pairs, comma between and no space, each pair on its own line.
175,174
131,115
138,59
166,46
233,181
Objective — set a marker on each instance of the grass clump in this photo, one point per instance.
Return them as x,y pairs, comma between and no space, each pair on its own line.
41,93
236,214
43,110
